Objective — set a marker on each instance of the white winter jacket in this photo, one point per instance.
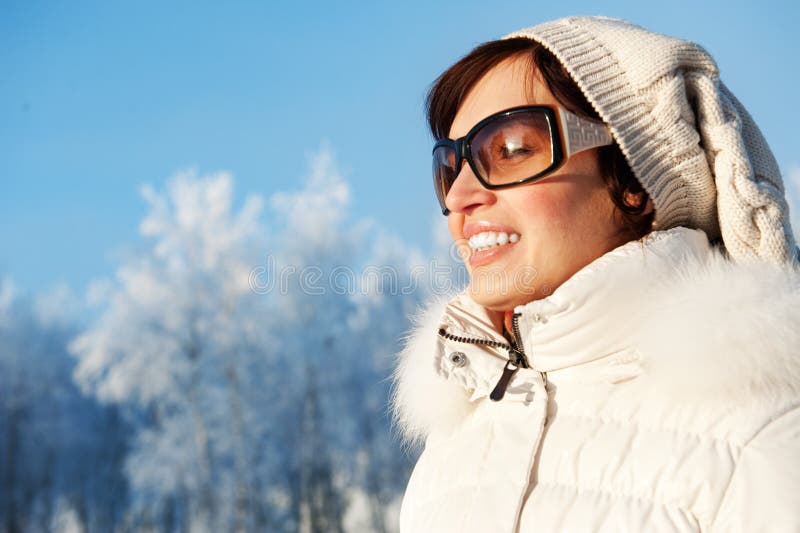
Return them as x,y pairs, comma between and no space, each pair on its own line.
664,395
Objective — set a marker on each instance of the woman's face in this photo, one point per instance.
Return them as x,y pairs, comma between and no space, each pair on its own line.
563,221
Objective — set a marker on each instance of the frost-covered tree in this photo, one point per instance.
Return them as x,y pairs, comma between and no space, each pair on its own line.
177,343
60,453
348,326
206,337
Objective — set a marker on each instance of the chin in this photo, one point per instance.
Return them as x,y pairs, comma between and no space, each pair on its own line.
502,288
495,299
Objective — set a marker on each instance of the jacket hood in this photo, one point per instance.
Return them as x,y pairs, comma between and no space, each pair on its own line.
669,323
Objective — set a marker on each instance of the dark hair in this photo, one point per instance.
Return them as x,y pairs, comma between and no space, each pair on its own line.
449,90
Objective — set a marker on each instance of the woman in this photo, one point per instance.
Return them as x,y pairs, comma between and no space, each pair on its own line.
625,355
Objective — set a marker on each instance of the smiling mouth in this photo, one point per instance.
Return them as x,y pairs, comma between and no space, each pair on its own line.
487,240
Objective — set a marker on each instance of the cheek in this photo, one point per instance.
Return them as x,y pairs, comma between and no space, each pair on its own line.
554,205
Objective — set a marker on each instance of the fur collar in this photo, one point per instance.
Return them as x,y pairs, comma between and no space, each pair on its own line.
666,326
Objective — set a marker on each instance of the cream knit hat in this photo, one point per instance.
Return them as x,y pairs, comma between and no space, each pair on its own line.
691,144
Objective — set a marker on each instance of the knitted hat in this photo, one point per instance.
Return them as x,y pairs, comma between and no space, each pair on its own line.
691,144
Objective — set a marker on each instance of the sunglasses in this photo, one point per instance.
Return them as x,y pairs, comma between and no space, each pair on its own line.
515,146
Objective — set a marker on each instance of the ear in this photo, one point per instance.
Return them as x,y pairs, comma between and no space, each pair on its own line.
635,199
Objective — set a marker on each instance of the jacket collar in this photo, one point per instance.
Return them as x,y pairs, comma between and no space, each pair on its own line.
590,316
686,334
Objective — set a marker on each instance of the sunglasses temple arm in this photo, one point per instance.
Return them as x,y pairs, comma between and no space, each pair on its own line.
582,134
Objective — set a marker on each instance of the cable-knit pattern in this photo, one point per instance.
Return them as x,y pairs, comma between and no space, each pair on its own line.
690,142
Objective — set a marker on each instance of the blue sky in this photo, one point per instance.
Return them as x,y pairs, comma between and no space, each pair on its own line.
97,98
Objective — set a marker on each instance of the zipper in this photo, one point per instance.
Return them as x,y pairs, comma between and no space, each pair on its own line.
516,356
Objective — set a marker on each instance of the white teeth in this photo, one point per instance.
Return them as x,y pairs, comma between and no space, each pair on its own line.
490,239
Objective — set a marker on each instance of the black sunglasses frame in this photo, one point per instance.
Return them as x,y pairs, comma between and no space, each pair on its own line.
462,148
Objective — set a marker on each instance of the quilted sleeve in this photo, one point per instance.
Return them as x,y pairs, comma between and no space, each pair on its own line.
764,491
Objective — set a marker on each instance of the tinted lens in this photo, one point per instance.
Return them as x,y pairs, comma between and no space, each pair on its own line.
444,171
513,148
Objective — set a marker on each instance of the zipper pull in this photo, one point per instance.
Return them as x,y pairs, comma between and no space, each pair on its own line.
502,384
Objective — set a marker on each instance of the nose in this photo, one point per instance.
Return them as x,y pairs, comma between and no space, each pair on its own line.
467,194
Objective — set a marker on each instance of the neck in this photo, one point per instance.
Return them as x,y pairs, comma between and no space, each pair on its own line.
507,318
